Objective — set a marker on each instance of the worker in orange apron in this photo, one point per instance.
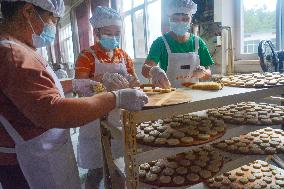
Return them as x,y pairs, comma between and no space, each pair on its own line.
35,119
103,62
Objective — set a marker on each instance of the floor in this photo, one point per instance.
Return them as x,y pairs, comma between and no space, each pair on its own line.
74,137
82,172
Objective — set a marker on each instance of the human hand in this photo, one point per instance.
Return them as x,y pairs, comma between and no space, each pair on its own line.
130,99
114,81
159,77
199,72
84,87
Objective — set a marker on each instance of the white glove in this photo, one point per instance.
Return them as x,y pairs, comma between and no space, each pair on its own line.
159,77
199,72
130,99
84,87
111,68
114,81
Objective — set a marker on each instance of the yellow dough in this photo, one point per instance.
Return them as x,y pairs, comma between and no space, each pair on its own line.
148,89
166,90
207,86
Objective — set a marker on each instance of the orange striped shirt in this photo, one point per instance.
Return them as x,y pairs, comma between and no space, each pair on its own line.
85,61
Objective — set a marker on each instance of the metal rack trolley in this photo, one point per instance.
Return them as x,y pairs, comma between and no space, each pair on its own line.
201,100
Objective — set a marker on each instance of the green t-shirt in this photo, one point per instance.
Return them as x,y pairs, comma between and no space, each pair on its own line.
158,52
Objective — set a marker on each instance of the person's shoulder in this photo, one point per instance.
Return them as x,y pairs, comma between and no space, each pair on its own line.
201,41
12,50
119,51
159,41
122,53
166,36
88,50
5,45
87,53
8,43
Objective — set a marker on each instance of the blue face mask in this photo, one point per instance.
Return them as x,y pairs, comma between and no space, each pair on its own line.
110,43
46,37
179,28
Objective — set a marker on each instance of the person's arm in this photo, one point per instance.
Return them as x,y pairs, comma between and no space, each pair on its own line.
68,113
150,68
202,73
153,57
67,85
84,65
32,90
207,74
132,76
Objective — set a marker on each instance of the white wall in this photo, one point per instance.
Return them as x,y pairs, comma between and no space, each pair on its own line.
225,11
247,66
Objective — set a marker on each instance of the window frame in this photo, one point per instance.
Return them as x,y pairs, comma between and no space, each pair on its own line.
131,13
239,43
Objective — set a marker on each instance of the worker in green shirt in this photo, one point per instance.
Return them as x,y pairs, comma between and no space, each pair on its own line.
182,57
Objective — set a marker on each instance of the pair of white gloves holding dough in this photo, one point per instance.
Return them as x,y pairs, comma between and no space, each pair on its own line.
160,79
126,98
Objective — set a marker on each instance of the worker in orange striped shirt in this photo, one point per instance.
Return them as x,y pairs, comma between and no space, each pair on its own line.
103,62
105,56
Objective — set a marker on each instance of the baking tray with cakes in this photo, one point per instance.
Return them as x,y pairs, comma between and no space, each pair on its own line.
249,113
265,141
256,175
254,80
185,169
180,131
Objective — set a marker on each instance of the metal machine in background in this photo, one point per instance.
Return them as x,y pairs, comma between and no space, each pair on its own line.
270,59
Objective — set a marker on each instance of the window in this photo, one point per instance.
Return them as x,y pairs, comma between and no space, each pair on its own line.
257,22
142,25
66,44
43,52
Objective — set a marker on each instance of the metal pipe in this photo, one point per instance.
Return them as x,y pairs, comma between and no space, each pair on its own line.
230,65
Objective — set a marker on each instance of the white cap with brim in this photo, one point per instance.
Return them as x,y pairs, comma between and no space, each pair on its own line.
105,16
182,6
55,6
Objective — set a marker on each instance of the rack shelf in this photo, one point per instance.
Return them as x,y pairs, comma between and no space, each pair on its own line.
201,100
236,161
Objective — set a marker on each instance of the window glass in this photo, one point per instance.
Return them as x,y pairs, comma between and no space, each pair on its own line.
259,23
126,5
137,2
66,44
128,38
154,22
145,32
139,35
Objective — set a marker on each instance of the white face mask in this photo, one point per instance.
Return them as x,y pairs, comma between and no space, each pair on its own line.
46,37
180,28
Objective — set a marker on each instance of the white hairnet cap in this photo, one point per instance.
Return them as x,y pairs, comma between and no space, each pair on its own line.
55,6
182,6
105,16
